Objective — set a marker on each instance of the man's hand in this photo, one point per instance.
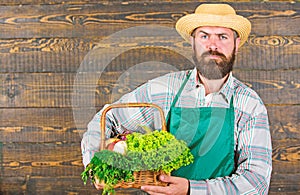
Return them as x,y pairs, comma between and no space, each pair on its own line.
99,186
177,186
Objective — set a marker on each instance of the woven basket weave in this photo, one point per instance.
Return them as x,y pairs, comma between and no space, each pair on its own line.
140,177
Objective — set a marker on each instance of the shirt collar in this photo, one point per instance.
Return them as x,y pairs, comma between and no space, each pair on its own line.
194,77
193,81
227,89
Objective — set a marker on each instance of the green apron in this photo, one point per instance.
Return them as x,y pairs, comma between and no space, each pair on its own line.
209,133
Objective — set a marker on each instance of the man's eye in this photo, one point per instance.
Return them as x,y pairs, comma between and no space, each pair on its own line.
204,37
223,37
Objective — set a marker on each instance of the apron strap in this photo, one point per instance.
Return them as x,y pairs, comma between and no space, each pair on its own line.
178,94
231,102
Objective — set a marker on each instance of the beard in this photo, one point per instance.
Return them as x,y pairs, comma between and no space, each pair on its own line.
211,68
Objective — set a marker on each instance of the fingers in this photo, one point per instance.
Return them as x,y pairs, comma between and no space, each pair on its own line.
98,186
154,193
169,179
177,186
155,190
158,190
165,178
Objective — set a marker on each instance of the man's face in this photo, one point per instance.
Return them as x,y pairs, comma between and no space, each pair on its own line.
214,51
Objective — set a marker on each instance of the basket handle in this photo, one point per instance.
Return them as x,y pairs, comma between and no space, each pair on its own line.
124,105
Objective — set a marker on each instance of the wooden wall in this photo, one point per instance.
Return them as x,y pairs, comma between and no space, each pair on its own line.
46,101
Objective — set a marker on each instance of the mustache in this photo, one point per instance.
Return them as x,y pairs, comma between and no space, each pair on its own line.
215,53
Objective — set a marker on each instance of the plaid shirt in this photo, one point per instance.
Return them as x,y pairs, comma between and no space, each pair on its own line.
253,150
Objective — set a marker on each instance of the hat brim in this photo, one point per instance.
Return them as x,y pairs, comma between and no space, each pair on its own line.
187,24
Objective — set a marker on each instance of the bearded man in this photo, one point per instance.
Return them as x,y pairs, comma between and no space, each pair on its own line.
223,121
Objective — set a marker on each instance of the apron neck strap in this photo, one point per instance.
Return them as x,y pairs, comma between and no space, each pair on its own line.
179,93
181,89
231,101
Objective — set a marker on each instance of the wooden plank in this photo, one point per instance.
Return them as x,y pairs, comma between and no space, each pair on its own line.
39,125
32,166
57,89
36,55
39,155
46,185
64,158
285,184
70,53
34,2
38,2
41,159
44,125
284,122
280,185
285,176
286,158
39,134
269,53
57,186
67,54
269,85
285,154
65,20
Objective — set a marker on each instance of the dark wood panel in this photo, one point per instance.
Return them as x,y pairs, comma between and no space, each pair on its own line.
65,20
39,134
34,154
270,85
46,102
286,154
45,125
37,2
46,186
56,186
270,53
46,2
58,89
71,185
285,184
39,125
64,158
284,122
66,55
41,159
42,90
41,168
60,119
31,166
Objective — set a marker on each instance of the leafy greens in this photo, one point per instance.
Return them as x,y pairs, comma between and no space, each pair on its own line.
155,151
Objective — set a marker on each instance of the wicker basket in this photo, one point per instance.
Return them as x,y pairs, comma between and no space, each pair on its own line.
140,177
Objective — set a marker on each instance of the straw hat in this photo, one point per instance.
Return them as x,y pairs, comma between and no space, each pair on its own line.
221,15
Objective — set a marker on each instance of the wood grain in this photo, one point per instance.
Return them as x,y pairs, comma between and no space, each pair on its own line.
53,81
74,20
39,163
37,158
67,54
56,89
51,125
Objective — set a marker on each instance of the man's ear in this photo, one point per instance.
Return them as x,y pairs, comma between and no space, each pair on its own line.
237,43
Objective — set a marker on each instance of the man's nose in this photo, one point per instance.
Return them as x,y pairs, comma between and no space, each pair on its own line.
212,44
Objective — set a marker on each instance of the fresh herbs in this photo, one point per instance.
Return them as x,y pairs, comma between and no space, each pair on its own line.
106,167
158,150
